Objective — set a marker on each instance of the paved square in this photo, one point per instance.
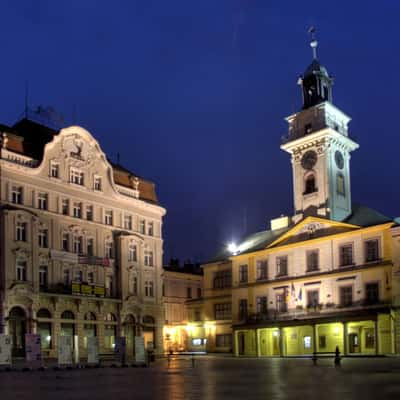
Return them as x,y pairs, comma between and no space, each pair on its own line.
214,378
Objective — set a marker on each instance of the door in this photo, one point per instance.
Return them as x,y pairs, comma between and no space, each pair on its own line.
354,343
17,328
276,351
241,343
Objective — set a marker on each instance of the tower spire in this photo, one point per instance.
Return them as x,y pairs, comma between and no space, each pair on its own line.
314,42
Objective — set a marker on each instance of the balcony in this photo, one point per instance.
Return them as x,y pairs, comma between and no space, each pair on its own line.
319,310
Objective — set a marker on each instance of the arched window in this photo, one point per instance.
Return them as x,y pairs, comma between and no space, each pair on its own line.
148,320
89,316
67,315
310,186
43,313
110,317
340,185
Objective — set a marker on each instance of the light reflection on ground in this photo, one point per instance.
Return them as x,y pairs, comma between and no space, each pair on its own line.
214,378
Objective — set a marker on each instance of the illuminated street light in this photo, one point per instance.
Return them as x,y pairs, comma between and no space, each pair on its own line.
232,247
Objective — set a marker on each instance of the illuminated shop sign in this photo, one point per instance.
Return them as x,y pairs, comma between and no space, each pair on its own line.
84,289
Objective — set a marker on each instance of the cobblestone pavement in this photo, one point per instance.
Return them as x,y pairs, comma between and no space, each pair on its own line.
214,378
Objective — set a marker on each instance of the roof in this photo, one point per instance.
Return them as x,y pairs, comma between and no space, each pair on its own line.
361,216
29,138
192,269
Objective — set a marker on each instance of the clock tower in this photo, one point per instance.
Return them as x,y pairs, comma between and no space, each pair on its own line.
320,147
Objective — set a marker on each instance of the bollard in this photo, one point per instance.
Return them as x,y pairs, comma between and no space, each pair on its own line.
314,358
337,357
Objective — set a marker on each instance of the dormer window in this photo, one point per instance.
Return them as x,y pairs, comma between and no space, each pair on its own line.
76,177
54,170
97,183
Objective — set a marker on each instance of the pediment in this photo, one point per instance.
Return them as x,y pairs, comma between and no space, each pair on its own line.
312,228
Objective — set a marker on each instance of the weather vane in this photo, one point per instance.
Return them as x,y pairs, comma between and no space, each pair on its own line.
314,42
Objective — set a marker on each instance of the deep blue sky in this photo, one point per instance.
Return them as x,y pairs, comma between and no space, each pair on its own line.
193,95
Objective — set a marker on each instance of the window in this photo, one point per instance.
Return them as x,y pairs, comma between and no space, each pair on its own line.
307,342
78,275
128,222
109,249
142,226
346,255
132,252
66,277
108,217
223,311
149,288
346,296
312,260
16,194
310,186
340,186
243,273
369,338
65,207
223,340
21,231
372,293
242,309
189,292
21,270
148,258
261,270
54,170
42,238
135,286
65,241
76,177
78,244
42,201
222,279
77,210
281,305
312,298
90,246
198,292
150,228
43,277
281,266
97,183
371,250
261,304
322,341
90,278
109,286
89,213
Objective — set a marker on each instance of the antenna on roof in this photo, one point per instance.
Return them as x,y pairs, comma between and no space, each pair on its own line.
314,42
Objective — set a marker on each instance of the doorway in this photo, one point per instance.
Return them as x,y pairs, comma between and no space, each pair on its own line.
241,343
354,343
17,328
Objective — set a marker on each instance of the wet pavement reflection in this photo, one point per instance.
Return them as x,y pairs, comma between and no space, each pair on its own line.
214,378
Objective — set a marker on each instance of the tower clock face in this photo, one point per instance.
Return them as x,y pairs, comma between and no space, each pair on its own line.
309,159
339,159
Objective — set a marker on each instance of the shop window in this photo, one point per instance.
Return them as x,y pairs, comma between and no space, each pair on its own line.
307,342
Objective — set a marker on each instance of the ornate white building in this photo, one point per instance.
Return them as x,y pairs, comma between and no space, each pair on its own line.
80,244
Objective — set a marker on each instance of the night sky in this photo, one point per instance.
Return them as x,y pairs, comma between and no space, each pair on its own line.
193,96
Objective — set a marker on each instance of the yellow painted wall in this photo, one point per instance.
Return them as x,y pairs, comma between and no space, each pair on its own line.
385,334
293,340
269,342
334,337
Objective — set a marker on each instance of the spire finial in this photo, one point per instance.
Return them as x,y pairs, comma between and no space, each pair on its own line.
314,42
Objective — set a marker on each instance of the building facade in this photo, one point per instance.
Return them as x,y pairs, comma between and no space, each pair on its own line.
323,278
182,286
81,242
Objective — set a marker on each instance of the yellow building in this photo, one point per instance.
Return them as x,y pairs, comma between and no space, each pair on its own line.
326,277
181,285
